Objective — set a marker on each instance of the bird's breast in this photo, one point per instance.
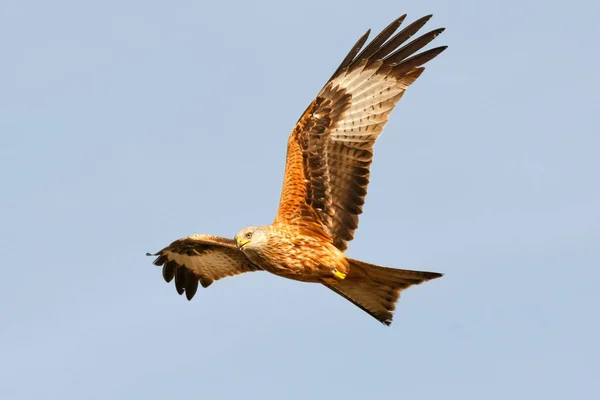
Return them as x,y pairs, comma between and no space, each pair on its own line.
300,258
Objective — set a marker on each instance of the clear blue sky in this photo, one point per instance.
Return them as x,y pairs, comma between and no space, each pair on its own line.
127,124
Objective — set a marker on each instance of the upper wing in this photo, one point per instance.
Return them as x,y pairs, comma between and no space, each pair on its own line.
201,258
330,149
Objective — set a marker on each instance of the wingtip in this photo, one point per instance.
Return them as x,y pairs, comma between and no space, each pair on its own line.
440,49
398,21
428,276
436,51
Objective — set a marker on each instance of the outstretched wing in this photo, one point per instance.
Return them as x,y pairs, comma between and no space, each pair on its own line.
330,149
201,258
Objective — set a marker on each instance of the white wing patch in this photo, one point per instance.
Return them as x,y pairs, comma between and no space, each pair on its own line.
213,264
374,92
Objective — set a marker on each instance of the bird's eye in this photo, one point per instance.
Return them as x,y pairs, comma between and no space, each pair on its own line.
248,235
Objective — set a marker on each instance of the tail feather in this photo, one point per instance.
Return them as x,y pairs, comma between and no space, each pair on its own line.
375,289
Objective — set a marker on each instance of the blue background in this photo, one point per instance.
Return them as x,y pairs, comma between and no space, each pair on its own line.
127,124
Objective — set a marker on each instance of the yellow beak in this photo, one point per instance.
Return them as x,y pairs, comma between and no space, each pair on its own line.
241,242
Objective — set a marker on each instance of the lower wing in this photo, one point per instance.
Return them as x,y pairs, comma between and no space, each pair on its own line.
201,258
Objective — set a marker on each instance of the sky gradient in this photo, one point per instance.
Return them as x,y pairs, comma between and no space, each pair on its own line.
128,124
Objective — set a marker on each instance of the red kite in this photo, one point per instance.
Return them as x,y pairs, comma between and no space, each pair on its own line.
329,154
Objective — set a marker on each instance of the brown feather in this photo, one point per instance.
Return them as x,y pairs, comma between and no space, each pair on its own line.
401,37
380,39
169,269
406,51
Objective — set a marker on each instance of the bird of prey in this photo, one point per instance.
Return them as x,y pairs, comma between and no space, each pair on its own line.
329,154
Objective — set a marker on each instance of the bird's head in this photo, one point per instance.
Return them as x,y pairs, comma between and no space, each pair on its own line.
250,238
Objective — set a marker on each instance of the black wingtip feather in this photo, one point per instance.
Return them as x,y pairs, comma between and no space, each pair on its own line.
418,60
401,37
168,271
385,46
353,52
191,285
411,48
379,40
160,260
180,280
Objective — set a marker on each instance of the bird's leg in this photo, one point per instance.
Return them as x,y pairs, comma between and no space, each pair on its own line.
338,274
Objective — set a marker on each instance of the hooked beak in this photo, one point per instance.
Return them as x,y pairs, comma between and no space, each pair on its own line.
240,242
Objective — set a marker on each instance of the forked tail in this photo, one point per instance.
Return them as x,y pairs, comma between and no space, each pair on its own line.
376,289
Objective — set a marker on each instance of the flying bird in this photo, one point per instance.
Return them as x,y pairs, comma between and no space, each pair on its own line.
329,154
